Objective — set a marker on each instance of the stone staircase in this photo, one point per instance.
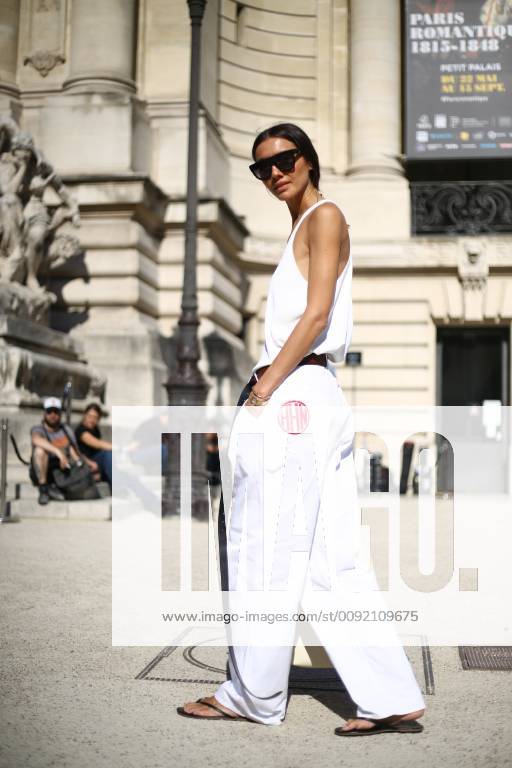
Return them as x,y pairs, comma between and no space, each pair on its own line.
22,502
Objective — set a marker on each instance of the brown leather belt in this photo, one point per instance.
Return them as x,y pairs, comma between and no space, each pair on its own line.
311,359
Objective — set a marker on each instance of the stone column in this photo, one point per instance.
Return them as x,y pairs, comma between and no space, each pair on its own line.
375,51
102,45
9,27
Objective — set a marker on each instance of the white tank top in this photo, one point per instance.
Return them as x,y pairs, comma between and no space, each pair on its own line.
286,303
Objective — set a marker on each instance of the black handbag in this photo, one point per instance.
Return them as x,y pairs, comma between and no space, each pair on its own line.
76,482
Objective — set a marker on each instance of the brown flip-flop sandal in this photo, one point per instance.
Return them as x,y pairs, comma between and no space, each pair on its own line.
402,726
222,716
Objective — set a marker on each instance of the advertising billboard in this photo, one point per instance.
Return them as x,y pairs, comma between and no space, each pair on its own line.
458,64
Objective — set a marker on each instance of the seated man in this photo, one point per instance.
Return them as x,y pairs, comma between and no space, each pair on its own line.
91,444
53,445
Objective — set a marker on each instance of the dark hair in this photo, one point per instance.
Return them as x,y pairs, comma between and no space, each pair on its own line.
93,407
298,137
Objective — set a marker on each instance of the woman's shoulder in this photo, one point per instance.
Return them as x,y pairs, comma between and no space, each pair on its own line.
329,213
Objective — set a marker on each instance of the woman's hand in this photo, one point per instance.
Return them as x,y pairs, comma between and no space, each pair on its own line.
256,402
255,412
92,465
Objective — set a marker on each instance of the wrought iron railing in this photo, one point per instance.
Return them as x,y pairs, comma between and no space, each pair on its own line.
466,208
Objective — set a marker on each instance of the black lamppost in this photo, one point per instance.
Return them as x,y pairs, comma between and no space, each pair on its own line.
187,385
220,360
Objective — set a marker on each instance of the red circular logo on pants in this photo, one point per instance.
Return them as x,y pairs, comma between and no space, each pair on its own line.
293,417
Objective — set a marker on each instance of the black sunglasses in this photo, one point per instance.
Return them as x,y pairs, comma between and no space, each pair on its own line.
52,410
285,161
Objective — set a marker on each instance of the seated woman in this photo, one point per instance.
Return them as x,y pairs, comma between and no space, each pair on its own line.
92,445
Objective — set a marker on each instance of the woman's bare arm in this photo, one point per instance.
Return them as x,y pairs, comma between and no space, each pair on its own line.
327,231
94,442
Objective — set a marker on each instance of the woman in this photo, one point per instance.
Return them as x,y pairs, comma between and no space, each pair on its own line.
308,325
91,443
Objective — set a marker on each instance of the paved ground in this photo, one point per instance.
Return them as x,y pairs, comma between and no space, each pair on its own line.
68,699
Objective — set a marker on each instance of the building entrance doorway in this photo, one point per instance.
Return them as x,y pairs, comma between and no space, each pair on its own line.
472,365
473,372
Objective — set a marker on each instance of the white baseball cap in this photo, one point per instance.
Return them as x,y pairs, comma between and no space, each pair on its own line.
52,402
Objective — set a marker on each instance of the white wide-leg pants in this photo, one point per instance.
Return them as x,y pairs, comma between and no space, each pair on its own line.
304,481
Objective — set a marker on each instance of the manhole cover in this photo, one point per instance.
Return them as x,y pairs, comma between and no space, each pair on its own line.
208,665
486,657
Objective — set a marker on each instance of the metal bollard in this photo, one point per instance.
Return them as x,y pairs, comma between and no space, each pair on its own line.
5,507
67,401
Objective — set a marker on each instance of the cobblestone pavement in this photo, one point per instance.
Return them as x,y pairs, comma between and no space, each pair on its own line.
69,699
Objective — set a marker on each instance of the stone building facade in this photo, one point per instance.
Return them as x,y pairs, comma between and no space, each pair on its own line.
102,86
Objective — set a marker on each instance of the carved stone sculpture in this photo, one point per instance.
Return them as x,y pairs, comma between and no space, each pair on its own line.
31,238
44,61
38,216
473,271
